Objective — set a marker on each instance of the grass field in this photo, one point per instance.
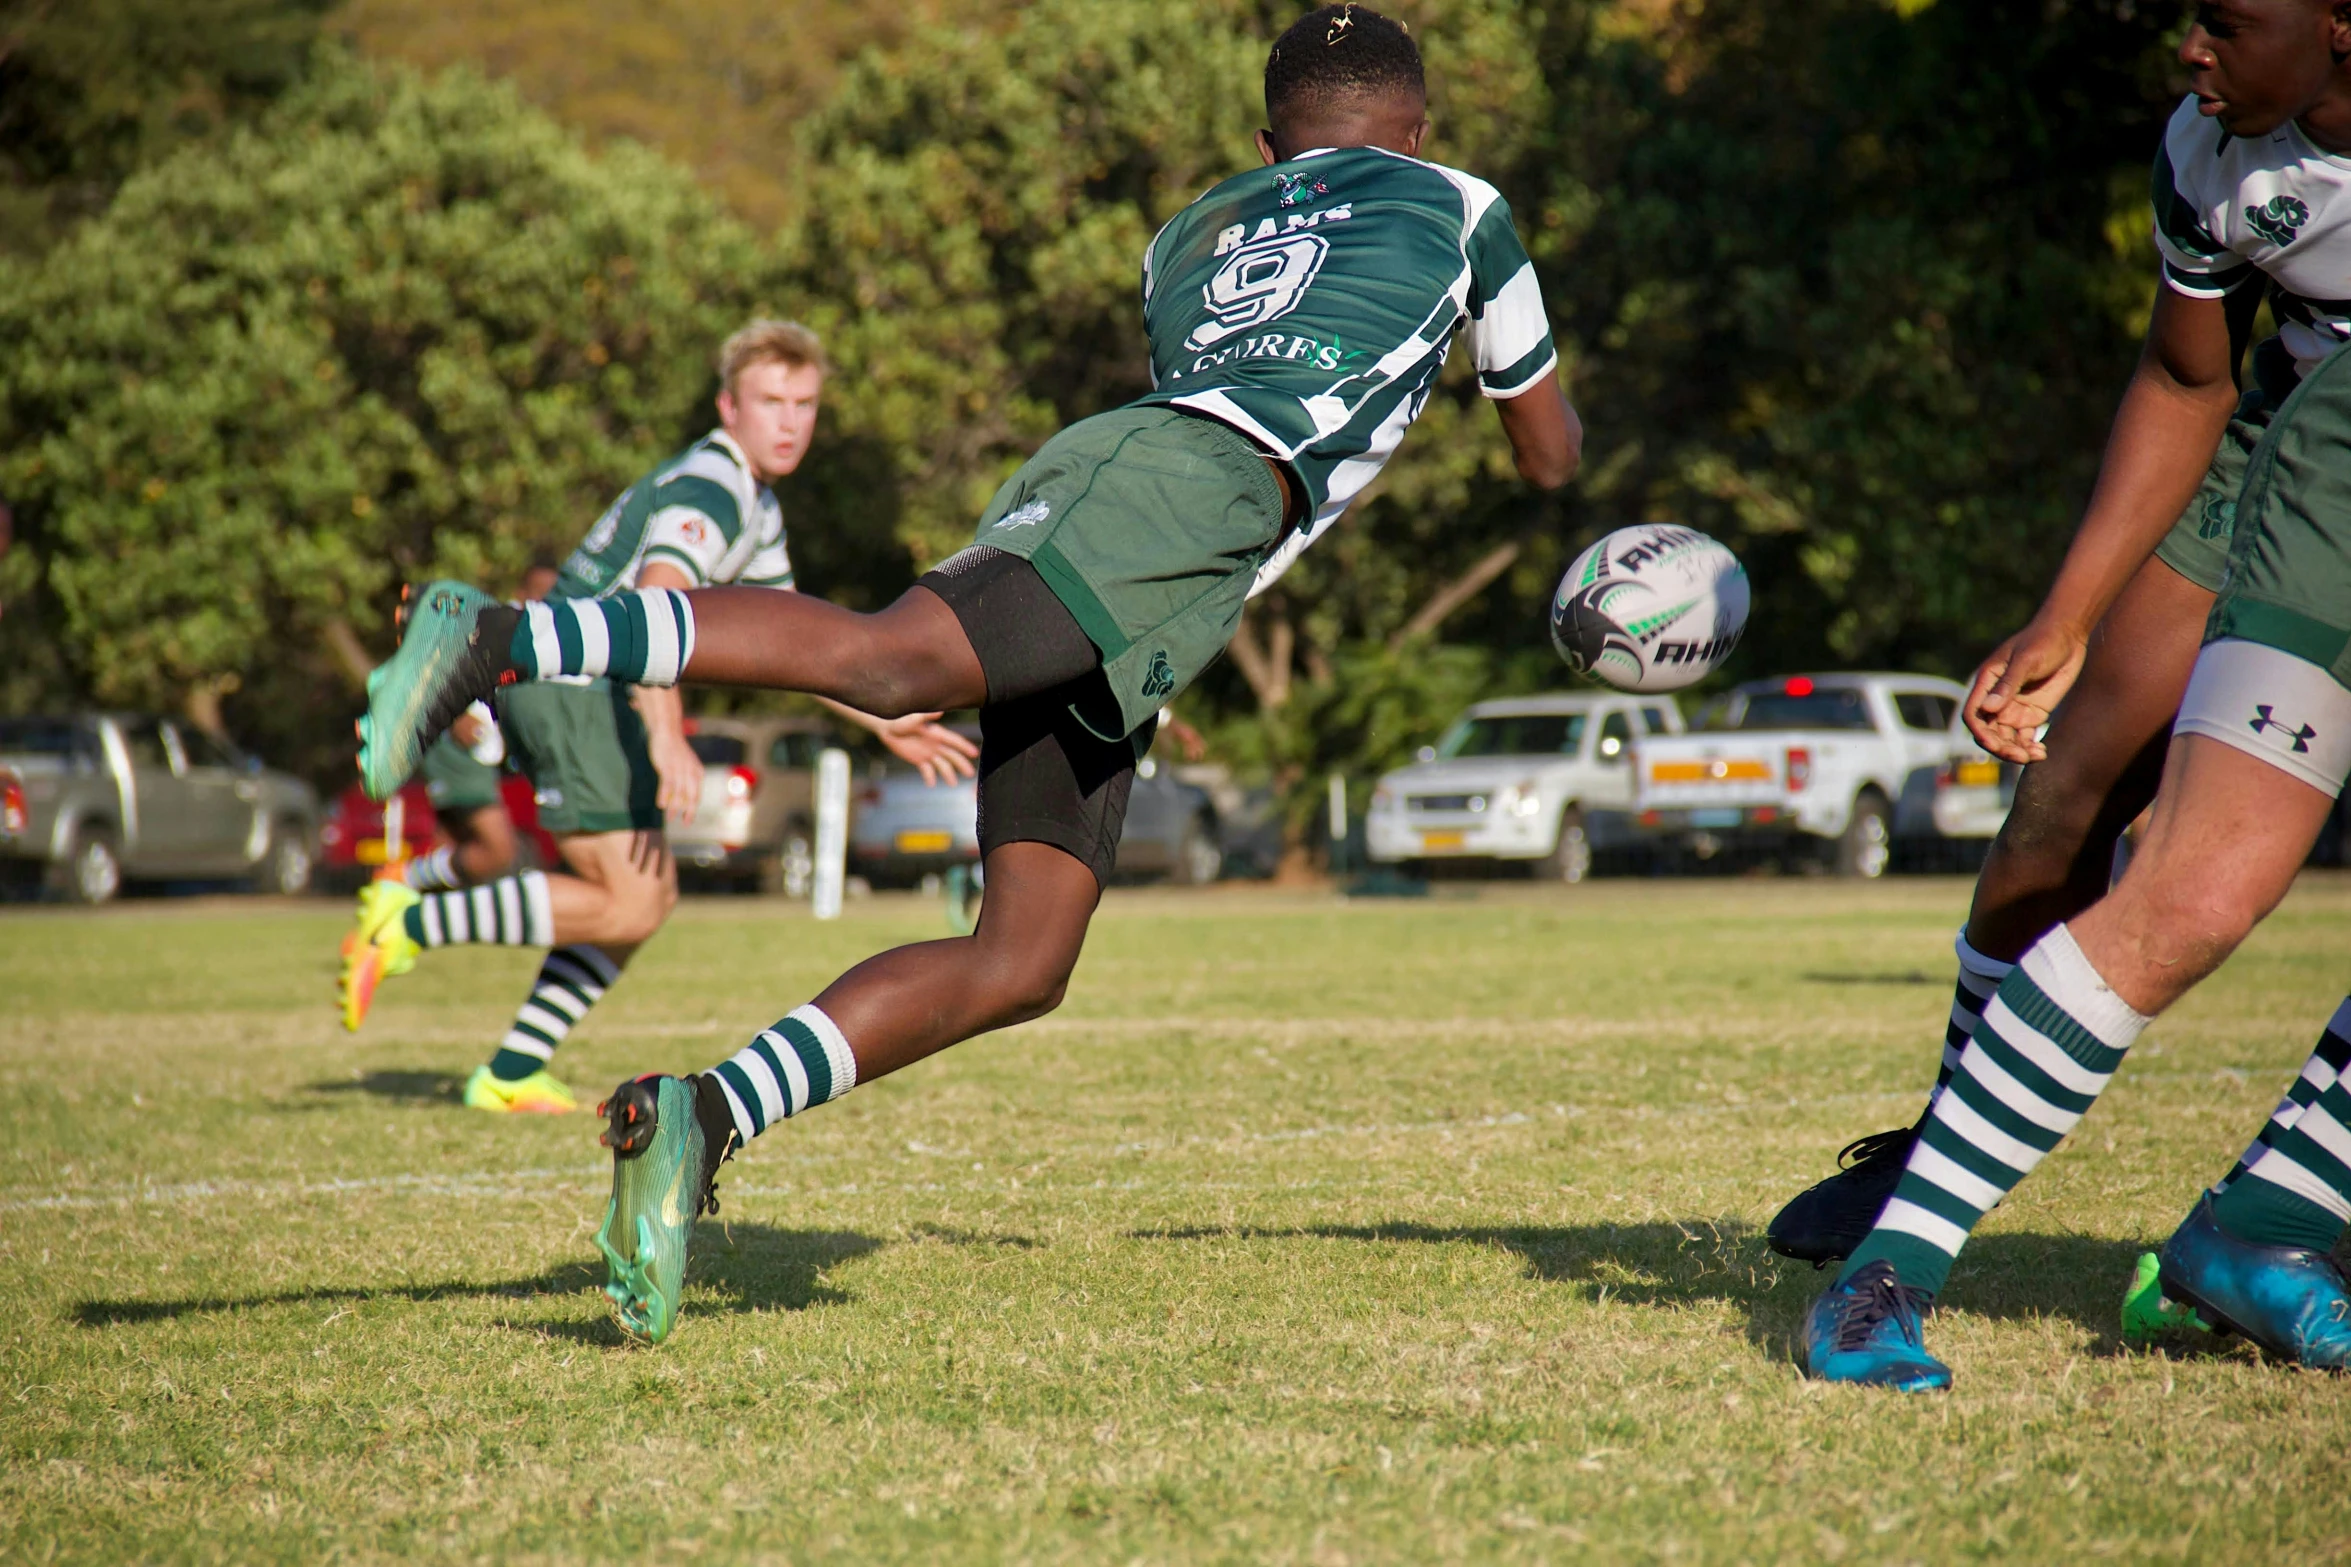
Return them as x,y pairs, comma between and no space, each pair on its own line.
1305,1232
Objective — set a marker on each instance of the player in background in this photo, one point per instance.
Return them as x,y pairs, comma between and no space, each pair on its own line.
2254,180
608,764
2250,195
461,774
1298,316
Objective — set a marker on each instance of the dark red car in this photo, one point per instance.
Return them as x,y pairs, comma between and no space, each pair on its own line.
351,839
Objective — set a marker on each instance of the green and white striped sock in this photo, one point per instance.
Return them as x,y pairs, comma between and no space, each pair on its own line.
572,980
512,911
804,1060
1979,977
2327,1063
2050,1040
2293,1186
641,638
435,871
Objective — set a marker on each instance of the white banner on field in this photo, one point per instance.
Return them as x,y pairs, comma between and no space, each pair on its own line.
832,832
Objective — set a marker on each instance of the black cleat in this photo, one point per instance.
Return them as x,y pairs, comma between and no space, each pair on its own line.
1823,1223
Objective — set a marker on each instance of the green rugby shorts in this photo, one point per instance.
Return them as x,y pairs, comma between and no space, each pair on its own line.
2288,583
2197,547
1148,524
583,749
455,781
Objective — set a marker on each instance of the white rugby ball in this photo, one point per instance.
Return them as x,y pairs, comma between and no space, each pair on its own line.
1651,608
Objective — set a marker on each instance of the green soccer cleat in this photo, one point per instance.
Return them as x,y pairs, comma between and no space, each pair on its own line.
664,1161
2148,1314
453,652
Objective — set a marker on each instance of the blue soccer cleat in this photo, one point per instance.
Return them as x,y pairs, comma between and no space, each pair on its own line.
1823,1223
2292,1302
664,1164
453,652
1866,1329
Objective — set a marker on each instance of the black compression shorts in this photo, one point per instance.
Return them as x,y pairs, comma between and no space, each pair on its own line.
1044,777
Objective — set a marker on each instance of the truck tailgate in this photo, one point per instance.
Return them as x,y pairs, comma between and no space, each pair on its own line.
1697,772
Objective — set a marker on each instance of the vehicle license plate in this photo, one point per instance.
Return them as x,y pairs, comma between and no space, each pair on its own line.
1976,773
1434,841
1722,818
925,842
369,851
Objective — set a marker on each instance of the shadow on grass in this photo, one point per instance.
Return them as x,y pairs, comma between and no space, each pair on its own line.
2010,1276
1912,977
431,1087
751,1267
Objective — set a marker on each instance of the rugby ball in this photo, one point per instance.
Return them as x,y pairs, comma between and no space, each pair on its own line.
1652,608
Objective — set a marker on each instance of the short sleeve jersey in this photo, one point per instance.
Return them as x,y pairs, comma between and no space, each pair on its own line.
2231,211
702,511
1310,305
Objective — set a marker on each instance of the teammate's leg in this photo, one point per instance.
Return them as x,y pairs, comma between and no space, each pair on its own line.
2228,833
2052,859
481,847
623,886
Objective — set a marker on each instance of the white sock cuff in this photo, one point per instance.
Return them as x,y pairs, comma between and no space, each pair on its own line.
1976,964
2066,976
538,909
838,1057
546,647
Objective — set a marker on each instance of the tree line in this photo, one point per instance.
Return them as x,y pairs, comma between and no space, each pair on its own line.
1850,284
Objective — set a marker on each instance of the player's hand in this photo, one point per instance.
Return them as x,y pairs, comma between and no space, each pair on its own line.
466,730
680,773
935,751
2019,686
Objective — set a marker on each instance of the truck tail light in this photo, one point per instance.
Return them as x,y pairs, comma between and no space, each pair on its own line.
742,783
1799,772
15,815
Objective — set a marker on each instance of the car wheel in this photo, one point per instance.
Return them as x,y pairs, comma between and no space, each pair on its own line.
93,869
1570,859
288,869
1867,846
1199,859
794,871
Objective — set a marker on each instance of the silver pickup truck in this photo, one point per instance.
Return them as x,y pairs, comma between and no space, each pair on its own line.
113,797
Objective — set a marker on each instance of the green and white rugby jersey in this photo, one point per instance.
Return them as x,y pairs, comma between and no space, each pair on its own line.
1310,306
2231,211
702,511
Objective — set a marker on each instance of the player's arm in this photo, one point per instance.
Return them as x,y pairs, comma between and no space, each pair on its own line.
936,751
1546,437
664,712
2171,420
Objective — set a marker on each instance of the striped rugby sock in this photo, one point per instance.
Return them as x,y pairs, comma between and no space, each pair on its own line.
434,872
573,979
512,911
2051,1037
642,638
1979,976
2327,1063
802,1061
2293,1187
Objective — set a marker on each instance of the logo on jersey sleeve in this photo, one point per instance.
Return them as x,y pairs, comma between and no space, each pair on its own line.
2277,221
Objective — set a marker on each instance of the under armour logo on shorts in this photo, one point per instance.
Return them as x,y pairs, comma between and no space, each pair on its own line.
2262,719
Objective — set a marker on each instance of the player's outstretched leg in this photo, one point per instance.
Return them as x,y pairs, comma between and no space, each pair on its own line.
669,1135
461,645
396,923
2051,860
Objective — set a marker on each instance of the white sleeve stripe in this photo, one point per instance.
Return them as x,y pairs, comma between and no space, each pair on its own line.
1514,323
1503,394
694,568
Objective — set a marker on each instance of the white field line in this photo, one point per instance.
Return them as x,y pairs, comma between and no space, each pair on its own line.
591,1177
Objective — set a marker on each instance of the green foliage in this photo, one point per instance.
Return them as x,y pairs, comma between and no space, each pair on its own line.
92,89
398,329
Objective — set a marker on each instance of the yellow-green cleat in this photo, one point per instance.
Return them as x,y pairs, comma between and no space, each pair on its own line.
377,947
541,1093
664,1160
2148,1314
453,652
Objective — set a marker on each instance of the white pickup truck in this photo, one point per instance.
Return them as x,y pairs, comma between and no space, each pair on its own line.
1838,766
